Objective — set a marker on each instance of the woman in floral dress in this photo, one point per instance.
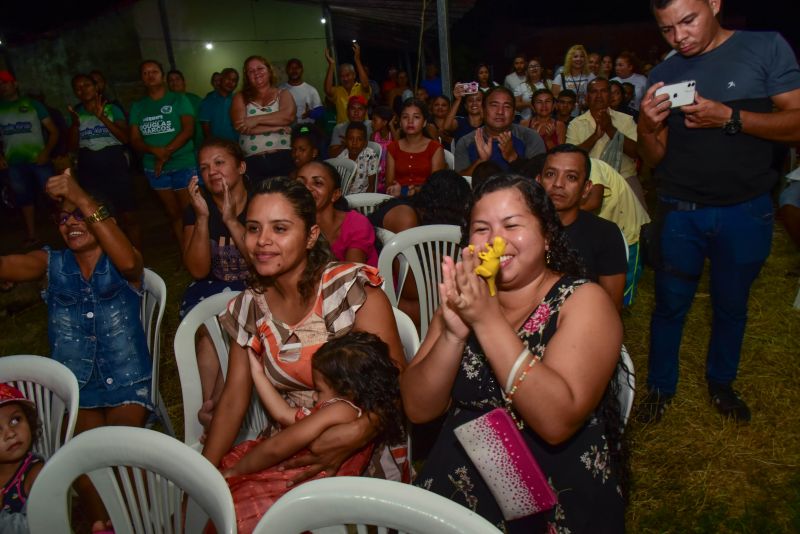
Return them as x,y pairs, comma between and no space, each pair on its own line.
567,335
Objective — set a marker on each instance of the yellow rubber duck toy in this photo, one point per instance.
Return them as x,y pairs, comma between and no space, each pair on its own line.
490,262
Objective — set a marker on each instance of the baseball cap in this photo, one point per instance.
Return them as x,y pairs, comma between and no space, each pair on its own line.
357,99
6,77
9,394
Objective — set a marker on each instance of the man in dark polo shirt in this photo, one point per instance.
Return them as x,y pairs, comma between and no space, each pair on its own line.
565,178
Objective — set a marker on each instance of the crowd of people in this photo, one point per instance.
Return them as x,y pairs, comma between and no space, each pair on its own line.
553,160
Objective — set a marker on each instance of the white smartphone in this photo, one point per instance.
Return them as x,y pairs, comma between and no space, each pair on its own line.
680,94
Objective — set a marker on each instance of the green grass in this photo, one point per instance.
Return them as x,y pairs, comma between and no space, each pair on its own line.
693,472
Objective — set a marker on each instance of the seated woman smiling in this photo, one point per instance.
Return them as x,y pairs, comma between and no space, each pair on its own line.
548,335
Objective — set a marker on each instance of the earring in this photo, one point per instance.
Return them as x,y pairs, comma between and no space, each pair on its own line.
548,258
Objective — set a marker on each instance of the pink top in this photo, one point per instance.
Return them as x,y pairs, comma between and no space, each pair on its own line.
356,232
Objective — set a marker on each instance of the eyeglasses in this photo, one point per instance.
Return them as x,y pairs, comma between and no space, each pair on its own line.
63,216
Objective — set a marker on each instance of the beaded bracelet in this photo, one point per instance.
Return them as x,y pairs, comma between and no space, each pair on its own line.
514,368
522,376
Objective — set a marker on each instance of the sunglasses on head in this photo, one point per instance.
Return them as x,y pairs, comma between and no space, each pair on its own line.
63,216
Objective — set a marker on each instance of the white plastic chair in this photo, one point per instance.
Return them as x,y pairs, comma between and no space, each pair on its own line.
54,390
142,477
376,147
347,170
154,302
205,313
340,501
365,203
450,159
408,334
627,385
468,180
423,248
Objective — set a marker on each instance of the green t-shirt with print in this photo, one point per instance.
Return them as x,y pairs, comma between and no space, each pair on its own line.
159,122
92,133
21,129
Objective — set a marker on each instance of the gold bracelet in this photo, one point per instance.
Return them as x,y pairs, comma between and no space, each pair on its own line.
100,214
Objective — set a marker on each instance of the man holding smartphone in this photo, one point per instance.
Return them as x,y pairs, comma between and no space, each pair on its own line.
713,163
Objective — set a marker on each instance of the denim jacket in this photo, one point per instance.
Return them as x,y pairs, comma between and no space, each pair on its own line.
95,321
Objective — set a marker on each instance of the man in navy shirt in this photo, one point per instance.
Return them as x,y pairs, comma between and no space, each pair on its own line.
713,163
499,139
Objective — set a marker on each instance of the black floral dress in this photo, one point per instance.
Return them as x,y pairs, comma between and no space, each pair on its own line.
579,470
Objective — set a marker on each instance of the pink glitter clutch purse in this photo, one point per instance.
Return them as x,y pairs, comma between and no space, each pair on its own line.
494,444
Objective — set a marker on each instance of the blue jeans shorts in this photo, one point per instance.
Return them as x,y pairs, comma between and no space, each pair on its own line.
25,178
175,179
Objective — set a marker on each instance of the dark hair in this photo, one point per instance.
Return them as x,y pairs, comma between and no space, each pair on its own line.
304,207
631,58
304,131
79,76
483,171
442,199
229,146
563,258
32,416
542,92
417,103
341,203
442,97
567,148
176,71
615,82
248,91
569,93
499,89
154,62
531,168
659,4
294,60
358,367
479,67
357,125
226,70
384,112
216,73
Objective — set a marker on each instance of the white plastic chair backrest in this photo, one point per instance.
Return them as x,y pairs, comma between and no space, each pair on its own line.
365,203
347,170
376,147
205,313
450,159
142,477
154,302
468,179
361,501
383,235
408,334
54,390
423,248
626,382
625,242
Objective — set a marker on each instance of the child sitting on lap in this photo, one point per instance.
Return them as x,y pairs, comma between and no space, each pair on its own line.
352,375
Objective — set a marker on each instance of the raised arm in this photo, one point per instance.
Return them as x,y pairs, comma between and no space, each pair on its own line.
112,240
23,267
196,240
360,70
329,74
651,130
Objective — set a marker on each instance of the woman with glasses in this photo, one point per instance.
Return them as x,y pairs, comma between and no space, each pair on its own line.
93,294
534,80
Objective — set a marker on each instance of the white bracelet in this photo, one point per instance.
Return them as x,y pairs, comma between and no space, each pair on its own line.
514,368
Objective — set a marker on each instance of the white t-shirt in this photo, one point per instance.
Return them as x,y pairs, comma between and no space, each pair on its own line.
304,95
639,83
526,92
513,80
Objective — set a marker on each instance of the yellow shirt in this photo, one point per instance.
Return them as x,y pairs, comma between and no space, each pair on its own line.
620,204
582,127
341,97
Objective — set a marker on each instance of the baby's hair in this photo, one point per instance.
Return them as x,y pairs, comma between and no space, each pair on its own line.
357,366
32,416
